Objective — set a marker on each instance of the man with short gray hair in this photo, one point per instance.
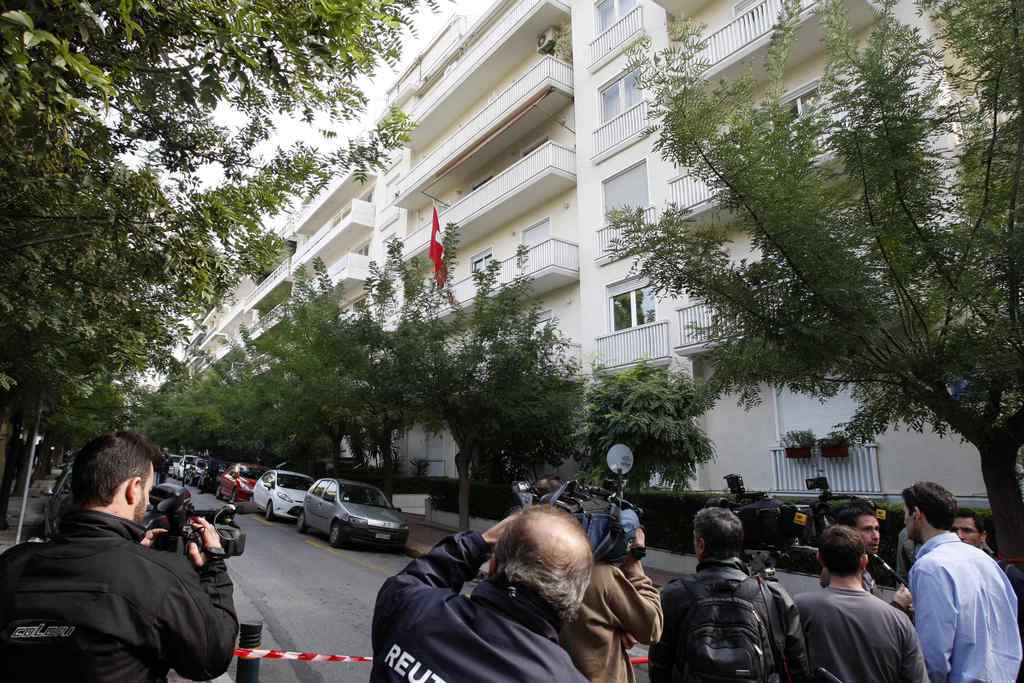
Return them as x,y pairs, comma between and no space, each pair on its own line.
426,631
702,612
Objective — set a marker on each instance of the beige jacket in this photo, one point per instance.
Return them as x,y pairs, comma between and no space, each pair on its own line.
618,601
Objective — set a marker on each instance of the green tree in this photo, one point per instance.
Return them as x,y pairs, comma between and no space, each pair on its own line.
657,414
885,225
498,379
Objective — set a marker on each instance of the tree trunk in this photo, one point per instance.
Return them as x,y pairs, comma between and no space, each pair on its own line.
462,460
11,463
998,467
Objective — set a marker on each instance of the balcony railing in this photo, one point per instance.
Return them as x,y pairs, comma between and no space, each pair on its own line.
546,69
688,191
272,317
616,35
607,238
629,123
549,155
694,324
857,473
552,253
349,266
625,347
271,281
359,213
390,215
476,54
753,24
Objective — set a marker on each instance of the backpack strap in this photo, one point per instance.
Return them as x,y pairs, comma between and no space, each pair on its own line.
782,668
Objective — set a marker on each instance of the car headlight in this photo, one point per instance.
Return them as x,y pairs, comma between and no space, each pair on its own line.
358,521
285,497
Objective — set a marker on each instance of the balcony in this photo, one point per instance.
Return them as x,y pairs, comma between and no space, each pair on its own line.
392,215
326,205
272,317
615,38
354,221
510,115
549,265
620,132
690,193
350,271
743,42
626,347
546,173
682,8
607,238
694,329
857,473
504,44
271,290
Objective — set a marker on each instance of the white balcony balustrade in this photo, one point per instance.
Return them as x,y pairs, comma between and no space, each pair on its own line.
546,75
606,45
549,265
619,131
694,324
351,270
627,347
359,217
276,277
545,173
392,215
268,320
857,473
607,238
690,192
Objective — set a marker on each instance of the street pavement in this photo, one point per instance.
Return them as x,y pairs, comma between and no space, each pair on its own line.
309,597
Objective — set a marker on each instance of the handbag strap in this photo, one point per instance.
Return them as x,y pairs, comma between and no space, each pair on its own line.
782,669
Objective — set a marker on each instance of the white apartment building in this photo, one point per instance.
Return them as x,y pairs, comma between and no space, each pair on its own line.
520,147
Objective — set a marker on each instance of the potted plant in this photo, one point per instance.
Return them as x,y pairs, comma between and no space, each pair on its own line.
835,445
799,443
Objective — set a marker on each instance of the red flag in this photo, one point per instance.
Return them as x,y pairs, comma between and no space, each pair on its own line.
437,252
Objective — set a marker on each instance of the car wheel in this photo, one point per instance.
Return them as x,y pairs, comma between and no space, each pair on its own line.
300,522
335,538
234,495
270,511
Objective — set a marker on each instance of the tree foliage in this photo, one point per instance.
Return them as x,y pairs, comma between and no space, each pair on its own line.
884,225
654,411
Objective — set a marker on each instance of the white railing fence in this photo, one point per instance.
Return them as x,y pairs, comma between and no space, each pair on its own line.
857,473
624,347
694,324
546,68
756,22
631,122
607,238
615,35
269,282
549,253
688,191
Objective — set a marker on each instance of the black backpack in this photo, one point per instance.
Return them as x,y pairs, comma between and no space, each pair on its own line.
725,637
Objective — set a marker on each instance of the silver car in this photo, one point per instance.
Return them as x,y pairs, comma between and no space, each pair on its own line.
349,511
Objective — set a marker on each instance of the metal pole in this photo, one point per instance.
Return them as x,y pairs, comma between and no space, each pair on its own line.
28,470
249,636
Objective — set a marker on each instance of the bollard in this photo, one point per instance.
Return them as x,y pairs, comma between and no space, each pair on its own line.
248,670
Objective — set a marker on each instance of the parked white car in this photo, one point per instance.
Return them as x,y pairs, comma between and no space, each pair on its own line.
178,468
280,493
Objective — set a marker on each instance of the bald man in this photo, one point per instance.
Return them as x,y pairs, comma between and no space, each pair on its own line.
426,631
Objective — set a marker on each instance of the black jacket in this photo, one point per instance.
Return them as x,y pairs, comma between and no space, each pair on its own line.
666,656
93,605
425,630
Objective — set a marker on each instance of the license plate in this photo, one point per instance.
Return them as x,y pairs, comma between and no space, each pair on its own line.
383,537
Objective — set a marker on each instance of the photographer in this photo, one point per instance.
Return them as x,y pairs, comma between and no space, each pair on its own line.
621,607
97,603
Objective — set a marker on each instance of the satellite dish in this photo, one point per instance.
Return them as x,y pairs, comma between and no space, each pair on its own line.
620,459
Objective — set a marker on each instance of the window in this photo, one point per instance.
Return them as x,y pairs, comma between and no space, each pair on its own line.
620,96
331,493
268,478
297,482
744,5
480,261
627,189
804,102
318,490
632,308
538,233
610,11
363,250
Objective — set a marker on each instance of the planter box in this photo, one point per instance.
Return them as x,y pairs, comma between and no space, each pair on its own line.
835,451
797,452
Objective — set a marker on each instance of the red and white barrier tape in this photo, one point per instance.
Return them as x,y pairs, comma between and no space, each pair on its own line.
247,653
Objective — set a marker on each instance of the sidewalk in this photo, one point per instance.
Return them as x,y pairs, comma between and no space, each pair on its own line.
424,535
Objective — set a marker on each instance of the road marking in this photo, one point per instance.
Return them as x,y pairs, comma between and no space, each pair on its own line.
264,522
365,565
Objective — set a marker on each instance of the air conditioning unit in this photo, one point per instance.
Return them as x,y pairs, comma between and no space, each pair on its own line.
546,41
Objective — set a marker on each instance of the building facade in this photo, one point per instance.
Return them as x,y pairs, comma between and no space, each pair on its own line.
529,128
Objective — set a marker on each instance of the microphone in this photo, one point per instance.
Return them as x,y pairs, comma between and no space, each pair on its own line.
889,569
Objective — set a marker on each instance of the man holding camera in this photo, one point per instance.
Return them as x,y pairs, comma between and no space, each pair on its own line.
722,623
98,603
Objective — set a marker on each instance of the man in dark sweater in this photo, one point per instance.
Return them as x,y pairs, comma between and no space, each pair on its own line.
849,632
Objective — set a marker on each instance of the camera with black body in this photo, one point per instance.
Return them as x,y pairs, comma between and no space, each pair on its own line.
768,523
608,519
175,514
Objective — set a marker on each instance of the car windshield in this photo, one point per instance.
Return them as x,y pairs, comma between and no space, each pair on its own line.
293,481
364,495
251,472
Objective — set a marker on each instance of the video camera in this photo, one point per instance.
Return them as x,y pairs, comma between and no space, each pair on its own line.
768,523
176,514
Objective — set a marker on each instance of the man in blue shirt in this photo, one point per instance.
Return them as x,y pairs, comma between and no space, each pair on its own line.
966,610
